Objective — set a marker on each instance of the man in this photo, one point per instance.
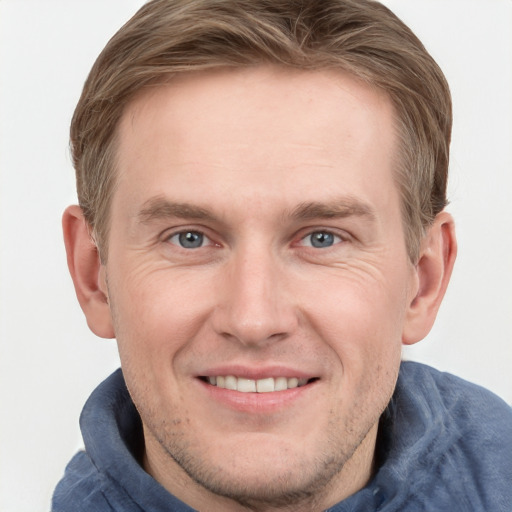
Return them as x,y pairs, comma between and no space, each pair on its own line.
261,227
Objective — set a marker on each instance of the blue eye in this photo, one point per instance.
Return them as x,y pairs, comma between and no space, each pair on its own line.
321,239
188,239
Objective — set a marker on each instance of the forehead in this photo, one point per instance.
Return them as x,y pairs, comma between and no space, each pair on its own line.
268,132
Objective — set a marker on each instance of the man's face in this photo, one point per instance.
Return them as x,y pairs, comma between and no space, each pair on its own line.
256,242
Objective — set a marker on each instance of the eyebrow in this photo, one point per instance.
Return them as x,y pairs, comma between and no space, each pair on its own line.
160,208
338,208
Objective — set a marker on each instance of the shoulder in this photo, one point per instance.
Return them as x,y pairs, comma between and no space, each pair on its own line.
473,406
466,435
81,488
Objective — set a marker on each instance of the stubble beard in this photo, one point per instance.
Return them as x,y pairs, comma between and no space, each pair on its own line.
306,486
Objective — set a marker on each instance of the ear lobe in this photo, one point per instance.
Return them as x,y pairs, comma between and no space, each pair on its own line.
434,268
87,272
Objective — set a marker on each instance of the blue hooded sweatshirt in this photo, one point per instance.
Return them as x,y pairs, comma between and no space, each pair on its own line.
444,445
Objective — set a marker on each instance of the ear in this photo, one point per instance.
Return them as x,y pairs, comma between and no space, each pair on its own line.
433,270
87,272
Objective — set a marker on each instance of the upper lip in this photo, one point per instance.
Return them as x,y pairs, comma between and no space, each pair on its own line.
256,372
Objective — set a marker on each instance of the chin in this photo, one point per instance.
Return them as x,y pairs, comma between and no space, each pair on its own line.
265,482
260,470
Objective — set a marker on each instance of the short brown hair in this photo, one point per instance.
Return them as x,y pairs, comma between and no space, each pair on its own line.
362,37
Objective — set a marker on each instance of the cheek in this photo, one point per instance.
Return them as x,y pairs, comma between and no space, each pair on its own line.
156,314
156,321
360,317
353,300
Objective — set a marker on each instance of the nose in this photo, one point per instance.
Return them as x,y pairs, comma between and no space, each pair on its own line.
254,306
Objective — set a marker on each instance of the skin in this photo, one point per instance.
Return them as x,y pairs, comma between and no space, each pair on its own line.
253,163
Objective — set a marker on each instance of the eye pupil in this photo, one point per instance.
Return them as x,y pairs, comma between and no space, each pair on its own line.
190,239
322,239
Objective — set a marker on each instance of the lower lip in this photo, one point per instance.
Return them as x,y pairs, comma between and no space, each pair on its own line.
257,403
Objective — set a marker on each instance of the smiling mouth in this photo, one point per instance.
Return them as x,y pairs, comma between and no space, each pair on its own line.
267,385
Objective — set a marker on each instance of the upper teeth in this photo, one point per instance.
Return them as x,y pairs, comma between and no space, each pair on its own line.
256,386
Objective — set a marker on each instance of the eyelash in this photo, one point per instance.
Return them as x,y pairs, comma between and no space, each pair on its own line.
186,232
321,233
334,237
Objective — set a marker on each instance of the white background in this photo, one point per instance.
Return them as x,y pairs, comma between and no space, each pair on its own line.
50,362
